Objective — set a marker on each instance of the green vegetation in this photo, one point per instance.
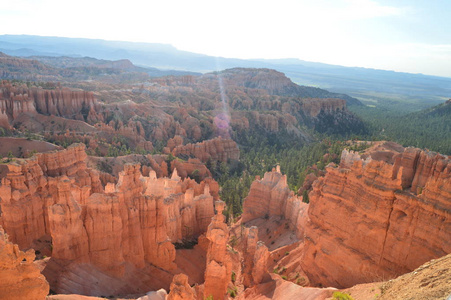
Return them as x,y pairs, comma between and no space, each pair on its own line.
260,155
305,197
341,296
233,292
429,128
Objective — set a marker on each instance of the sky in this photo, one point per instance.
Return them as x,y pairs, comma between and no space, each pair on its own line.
404,35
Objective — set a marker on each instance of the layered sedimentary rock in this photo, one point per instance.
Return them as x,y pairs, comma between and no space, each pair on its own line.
219,265
126,224
378,215
271,196
256,255
193,167
180,289
217,149
19,277
15,100
313,106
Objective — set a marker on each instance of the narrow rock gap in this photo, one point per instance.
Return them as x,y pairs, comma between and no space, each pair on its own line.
386,230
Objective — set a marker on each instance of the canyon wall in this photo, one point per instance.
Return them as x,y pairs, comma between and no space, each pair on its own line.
313,106
107,230
217,149
15,100
378,215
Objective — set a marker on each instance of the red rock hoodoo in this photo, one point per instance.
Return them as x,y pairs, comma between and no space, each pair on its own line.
15,100
103,232
219,266
271,196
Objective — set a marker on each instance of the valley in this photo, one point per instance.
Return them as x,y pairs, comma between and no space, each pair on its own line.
125,181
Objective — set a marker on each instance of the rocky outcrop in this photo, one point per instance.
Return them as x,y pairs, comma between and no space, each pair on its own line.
255,259
271,196
275,83
217,149
193,168
62,102
30,187
378,215
313,106
124,225
19,277
180,289
219,266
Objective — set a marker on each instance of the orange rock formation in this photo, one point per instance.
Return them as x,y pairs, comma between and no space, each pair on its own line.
114,229
219,266
217,149
271,196
180,289
378,215
255,259
19,277
15,100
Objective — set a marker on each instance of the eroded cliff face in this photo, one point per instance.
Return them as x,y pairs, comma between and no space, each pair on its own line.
271,196
378,215
19,277
313,106
14,100
217,149
104,232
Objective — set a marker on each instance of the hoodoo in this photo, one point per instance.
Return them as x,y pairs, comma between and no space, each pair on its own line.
58,199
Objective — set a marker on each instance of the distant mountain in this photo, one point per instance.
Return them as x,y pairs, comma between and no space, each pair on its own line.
357,82
46,68
276,83
122,64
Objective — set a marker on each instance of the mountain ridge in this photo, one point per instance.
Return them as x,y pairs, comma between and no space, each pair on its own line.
350,80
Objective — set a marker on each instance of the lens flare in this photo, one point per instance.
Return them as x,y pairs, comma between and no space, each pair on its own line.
222,118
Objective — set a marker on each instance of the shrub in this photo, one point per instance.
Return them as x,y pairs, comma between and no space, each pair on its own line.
233,292
341,296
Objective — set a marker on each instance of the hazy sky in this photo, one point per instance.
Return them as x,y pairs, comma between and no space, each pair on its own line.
405,35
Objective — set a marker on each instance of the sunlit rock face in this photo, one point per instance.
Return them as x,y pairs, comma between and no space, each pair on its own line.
19,277
60,102
104,232
271,196
219,265
378,215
